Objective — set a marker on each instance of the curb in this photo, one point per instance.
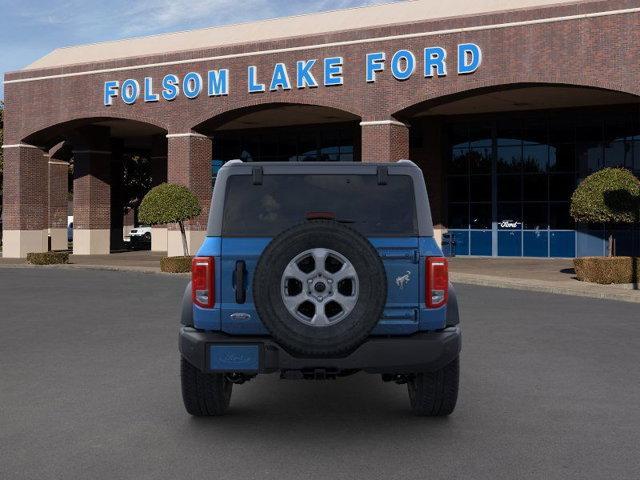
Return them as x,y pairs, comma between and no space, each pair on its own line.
111,268
579,289
603,292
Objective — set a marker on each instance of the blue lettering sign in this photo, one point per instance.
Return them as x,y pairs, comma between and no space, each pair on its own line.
435,59
130,91
254,86
403,64
280,78
170,87
110,92
375,63
218,82
333,71
469,58
192,85
304,76
149,96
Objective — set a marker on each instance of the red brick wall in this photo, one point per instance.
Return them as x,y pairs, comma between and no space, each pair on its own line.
58,192
600,51
388,142
25,189
189,164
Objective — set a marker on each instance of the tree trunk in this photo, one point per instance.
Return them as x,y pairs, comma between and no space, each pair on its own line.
610,252
185,247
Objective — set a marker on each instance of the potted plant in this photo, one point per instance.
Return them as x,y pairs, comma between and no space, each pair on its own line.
171,203
610,196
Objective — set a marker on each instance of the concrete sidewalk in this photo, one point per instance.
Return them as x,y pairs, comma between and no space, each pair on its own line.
539,275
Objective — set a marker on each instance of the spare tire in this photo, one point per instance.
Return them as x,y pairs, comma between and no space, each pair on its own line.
320,288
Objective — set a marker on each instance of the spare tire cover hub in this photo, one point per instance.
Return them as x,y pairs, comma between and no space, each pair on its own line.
319,287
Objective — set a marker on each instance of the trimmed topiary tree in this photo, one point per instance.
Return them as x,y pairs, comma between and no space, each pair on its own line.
170,203
611,195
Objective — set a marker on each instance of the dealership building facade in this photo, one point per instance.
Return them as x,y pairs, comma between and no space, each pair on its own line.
504,104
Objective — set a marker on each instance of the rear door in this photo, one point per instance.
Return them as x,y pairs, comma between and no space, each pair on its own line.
401,262
255,212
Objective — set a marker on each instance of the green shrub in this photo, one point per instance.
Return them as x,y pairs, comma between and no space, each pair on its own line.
48,258
611,195
607,270
175,264
169,203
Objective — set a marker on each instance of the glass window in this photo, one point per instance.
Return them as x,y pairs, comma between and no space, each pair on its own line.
535,158
534,188
459,136
282,201
307,147
268,147
562,158
510,216
559,218
618,154
458,189
288,147
509,187
480,159
535,133
589,130
509,133
619,127
636,156
589,157
480,136
481,188
535,216
561,130
480,216
459,161
561,187
509,159
458,215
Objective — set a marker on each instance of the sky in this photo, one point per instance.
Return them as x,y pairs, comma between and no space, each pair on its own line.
29,29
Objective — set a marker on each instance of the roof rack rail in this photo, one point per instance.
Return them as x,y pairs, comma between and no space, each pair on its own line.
407,161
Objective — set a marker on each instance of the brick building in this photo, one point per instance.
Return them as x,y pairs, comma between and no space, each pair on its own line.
504,104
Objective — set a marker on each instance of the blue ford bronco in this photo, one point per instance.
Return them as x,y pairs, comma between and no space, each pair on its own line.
315,271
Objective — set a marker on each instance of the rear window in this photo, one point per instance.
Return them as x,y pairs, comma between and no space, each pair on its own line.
282,201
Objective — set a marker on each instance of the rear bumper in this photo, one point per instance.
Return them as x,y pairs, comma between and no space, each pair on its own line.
420,352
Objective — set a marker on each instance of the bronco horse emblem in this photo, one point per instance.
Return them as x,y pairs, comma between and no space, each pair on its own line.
402,280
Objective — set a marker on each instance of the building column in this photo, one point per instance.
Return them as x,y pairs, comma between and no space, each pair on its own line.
25,209
428,153
92,193
58,191
158,159
116,225
384,141
189,164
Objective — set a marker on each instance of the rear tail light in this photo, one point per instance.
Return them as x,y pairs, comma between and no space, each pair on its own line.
202,284
437,281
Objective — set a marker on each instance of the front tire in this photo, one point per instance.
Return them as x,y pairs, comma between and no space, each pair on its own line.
434,394
204,394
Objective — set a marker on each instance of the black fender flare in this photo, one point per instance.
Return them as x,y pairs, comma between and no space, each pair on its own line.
453,314
186,309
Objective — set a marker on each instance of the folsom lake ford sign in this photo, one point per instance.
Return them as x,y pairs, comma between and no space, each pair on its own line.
309,73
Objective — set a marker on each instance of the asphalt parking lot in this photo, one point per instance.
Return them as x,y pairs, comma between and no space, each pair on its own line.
89,388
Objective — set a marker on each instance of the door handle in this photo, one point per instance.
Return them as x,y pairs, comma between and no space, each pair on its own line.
239,282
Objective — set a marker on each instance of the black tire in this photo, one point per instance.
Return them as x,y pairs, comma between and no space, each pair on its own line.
353,329
147,237
434,394
204,394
